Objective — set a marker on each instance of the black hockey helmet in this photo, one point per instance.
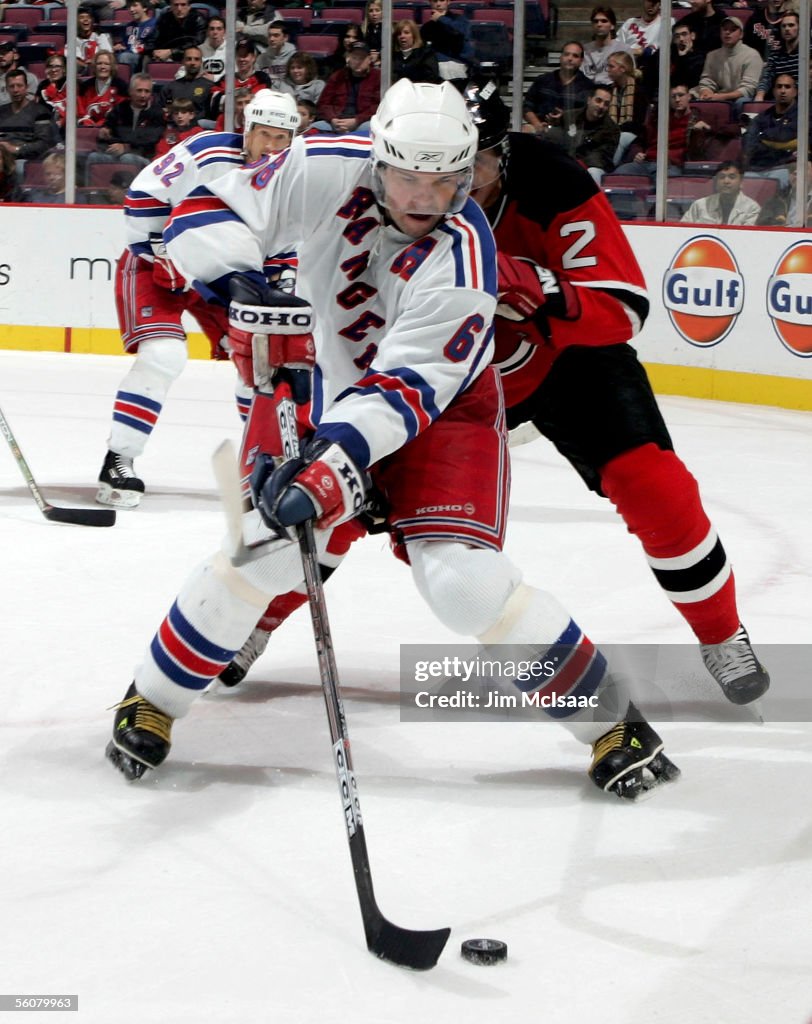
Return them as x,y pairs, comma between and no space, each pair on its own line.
489,113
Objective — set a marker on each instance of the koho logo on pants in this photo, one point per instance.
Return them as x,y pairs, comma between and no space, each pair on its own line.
789,299
703,291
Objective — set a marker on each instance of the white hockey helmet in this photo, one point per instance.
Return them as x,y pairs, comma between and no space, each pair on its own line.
423,127
274,109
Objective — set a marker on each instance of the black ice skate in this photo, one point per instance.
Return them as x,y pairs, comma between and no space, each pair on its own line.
141,735
628,760
118,484
253,647
736,669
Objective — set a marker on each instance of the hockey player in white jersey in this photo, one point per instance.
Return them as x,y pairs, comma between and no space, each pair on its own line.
151,295
400,268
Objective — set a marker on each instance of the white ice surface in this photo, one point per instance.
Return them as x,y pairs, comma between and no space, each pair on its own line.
219,888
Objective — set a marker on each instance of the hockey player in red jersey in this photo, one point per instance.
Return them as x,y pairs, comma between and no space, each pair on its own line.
571,298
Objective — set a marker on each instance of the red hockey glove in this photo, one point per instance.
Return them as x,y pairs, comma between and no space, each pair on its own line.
322,484
526,289
269,330
220,349
164,272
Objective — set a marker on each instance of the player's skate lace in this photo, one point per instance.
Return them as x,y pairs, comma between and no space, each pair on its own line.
147,717
118,484
141,735
734,666
122,467
610,741
253,647
628,759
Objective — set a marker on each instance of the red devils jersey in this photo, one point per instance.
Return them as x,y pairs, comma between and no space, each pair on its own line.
552,212
92,106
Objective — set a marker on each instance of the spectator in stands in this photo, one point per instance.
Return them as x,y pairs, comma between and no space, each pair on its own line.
88,41
589,134
686,61
783,61
371,28
641,34
781,210
116,191
410,58
630,103
10,61
182,125
687,137
52,91
274,59
104,10
181,26
97,96
26,129
10,191
348,34
213,50
731,73
604,43
352,94
564,89
706,24
242,97
763,30
131,130
728,204
190,85
307,116
303,77
253,21
247,76
139,35
771,141
450,37
52,193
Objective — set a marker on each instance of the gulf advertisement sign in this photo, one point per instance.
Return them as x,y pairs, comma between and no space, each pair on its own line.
789,299
703,291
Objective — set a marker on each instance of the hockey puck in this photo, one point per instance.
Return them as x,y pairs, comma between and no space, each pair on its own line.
484,951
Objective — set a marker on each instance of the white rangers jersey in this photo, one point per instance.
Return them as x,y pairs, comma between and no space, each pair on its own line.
169,179
403,325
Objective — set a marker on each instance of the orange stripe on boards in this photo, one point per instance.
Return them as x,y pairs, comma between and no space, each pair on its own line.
68,331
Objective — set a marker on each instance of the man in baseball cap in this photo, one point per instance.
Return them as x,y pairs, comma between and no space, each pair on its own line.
352,94
732,71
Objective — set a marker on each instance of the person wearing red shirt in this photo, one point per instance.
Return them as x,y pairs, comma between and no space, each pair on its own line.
352,94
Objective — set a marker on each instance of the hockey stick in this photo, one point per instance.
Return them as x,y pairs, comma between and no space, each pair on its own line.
416,949
76,516
419,950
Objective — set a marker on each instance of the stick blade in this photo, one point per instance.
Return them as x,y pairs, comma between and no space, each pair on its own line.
419,951
80,516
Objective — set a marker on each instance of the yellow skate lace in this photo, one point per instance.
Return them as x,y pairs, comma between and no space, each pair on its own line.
147,717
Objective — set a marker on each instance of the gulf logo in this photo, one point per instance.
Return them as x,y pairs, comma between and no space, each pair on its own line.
789,299
703,291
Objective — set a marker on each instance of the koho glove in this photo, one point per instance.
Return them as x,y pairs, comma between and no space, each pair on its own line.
269,329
